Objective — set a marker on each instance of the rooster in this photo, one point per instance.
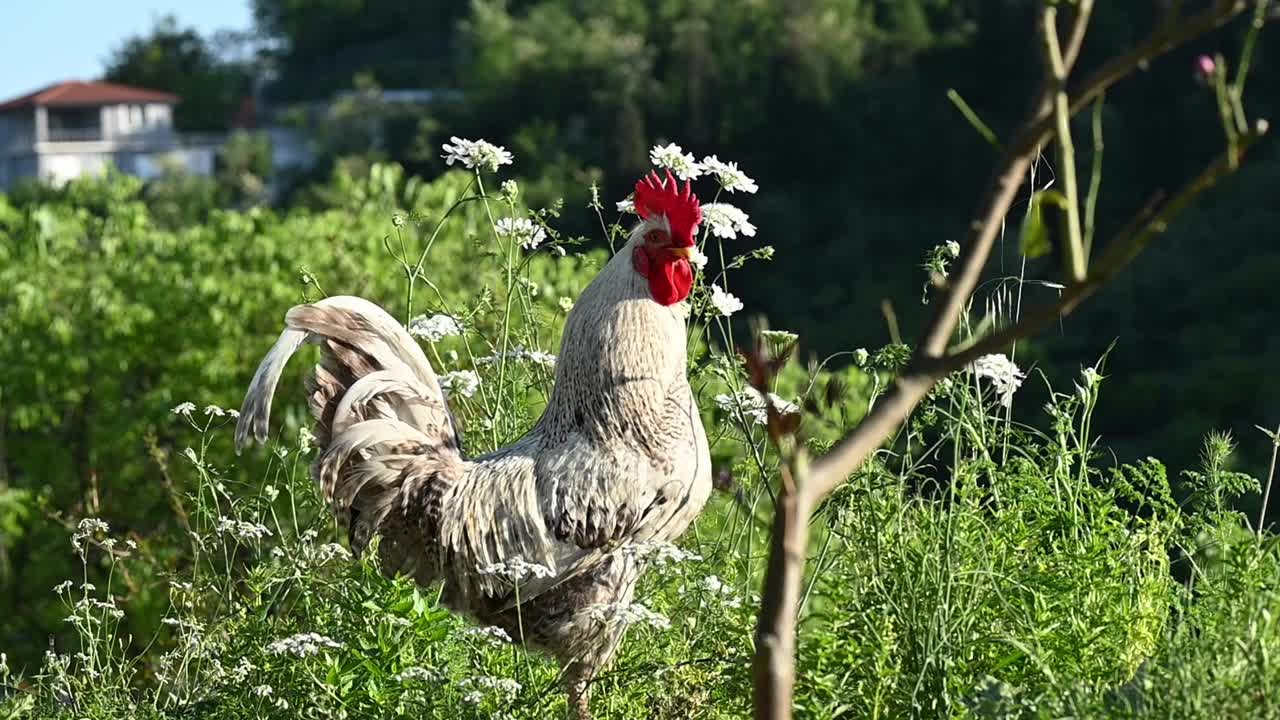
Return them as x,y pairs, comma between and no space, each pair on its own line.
619,456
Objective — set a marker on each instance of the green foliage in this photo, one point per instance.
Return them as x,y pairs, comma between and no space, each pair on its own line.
109,321
180,61
975,567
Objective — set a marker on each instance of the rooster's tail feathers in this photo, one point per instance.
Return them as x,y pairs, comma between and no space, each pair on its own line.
388,443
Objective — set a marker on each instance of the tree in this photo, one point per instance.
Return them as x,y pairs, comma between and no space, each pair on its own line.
181,61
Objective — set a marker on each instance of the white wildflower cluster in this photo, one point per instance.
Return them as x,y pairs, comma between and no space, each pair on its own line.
180,624
492,633
215,411
953,248
725,302
516,570
1003,374
721,592
684,166
727,221
88,610
505,688
475,154
752,404
659,553
434,328
427,676
303,645
672,157
509,190
778,337
242,529
306,442
460,382
184,409
263,691
523,230
88,529
319,555
697,258
728,175
627,614
626,206
565,303
520,354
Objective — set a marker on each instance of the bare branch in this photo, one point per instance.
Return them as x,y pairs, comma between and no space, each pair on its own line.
805,486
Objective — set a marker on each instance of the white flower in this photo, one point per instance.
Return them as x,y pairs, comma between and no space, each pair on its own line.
726,221
491,633
860,357
1005,377
724,302
697,258
329,551
303,645
953,248
306,440
537,357
214,411
505,687
627,206
181,624
185,409
475,154
62,587
752,405
566,304
627,614
242,530
721,591
516,569
263,691
86,530
461,382
509,189
429,676
523,230
658,552
434,328
728,174
781,337
672,157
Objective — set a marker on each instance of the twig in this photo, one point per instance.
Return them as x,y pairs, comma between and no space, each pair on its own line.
805,485
1073,245
1271,474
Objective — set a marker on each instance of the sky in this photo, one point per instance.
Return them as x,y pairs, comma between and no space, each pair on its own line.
46,41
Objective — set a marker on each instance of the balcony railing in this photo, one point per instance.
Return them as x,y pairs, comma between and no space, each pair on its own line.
75,134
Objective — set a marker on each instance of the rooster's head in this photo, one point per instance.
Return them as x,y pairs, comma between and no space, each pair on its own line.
669,217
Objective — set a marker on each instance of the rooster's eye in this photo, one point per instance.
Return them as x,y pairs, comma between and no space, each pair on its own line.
655,237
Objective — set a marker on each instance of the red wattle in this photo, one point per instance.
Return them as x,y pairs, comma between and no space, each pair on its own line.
670,278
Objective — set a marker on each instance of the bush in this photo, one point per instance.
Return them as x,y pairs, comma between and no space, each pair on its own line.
977,567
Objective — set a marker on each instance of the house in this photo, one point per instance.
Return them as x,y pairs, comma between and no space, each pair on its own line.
72,128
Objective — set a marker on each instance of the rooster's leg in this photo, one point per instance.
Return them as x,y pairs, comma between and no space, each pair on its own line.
576,679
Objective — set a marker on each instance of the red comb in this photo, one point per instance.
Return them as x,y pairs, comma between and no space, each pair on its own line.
656,196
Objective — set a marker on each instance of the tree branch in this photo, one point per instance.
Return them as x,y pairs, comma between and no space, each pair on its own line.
805,486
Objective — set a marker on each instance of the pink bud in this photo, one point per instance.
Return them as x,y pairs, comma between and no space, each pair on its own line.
1206,66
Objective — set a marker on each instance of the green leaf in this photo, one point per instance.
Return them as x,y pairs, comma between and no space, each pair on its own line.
1035,234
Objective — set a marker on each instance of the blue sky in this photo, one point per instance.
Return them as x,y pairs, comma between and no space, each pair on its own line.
45,41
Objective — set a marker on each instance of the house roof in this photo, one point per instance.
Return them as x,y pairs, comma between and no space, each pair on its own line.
78,92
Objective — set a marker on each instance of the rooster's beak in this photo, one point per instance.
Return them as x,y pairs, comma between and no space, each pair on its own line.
684,252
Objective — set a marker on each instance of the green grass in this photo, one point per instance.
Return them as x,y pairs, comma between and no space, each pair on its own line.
987,563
